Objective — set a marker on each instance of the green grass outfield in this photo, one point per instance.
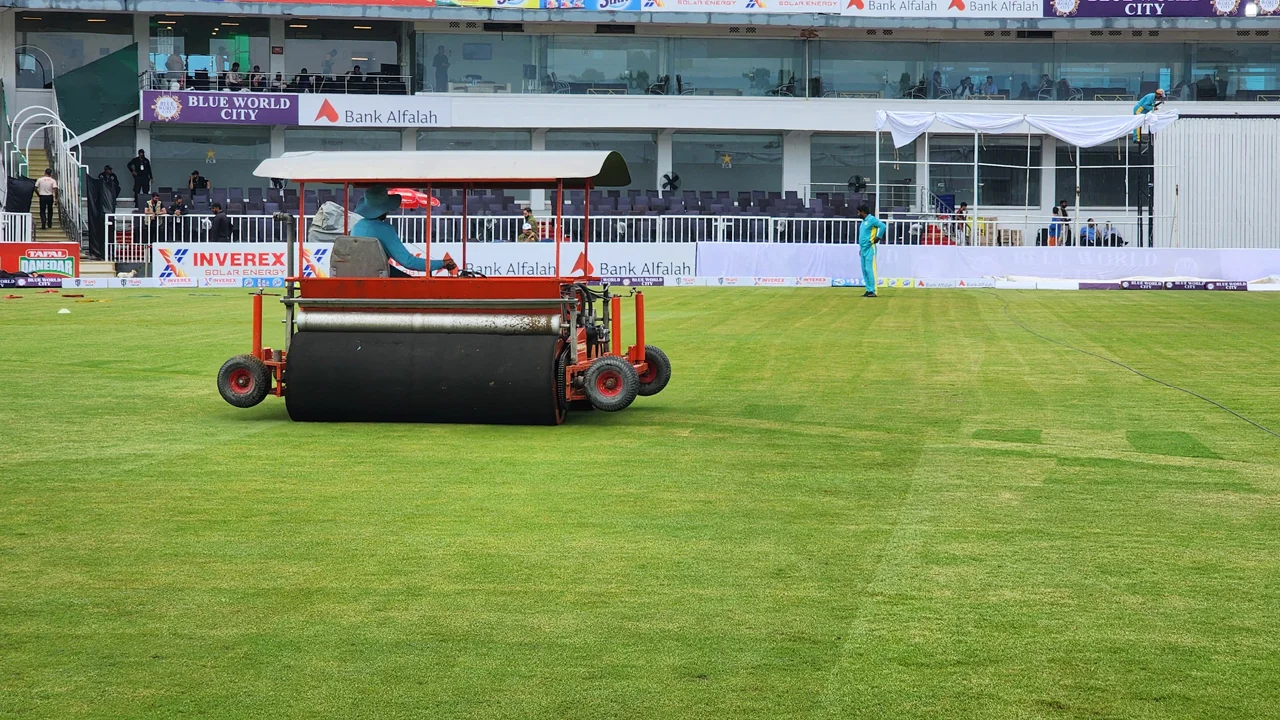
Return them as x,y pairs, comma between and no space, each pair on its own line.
839,508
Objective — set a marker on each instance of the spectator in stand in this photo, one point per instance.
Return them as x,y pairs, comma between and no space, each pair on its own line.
1024,93
177,209
1067,238
197,182
989,87
140,169
962,222
257,80
279,84
235,79
1063,90
354,80
46,190
1055,226
527,233
153,210
935,85
964,90
1045,90
1089,235
441,64
109,179
305,82
175,71
221,229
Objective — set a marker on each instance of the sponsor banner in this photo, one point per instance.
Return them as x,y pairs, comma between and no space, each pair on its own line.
1146,8
1099,286
35,281
634,281
976,283
1233,285
614,260
813,282
41,258
187,282
221,282
234,260
895,282
940,283
957,9
219,108
375,111
775,282
847,282
693,281
830,7
88,283
937,261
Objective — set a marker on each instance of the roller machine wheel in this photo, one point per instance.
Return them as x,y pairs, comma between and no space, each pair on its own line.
468,349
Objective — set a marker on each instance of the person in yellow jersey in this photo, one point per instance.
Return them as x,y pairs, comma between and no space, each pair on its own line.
869,233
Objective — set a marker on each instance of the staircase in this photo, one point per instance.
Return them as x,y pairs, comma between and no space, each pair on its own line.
36,163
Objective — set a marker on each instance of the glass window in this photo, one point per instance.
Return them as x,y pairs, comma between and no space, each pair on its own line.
52,43
478,63
332,48
1007,69
1002,170
893,69
474,140
1125,68
840,163
190,47
299,139
1235,71
720,66
582,64
1102,174
733,163
225,155
640,150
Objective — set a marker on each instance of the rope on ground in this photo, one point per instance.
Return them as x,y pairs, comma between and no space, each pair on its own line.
1139,373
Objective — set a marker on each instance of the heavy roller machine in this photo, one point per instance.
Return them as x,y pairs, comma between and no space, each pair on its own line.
361,346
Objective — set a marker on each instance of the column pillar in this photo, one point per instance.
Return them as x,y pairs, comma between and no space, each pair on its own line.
797,164
142,36
275,63
664,157
538,198
8,68
409,139
277,140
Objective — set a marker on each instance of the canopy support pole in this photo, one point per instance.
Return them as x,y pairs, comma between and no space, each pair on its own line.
559,210
302,229
586,227
466,224
1026,195
1072,237
973,216
877,203
426,233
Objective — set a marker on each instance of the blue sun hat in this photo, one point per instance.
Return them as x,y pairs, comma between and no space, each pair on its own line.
377,202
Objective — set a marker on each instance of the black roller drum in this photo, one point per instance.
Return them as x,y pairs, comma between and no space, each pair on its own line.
422,377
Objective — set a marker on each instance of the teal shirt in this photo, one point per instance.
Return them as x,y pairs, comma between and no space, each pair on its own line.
864,230
1146,104
389,239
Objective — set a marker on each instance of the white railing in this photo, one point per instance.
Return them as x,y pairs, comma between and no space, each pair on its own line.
16,227
249,81
129,236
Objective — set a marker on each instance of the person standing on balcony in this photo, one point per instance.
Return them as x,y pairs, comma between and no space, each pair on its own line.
109,179
441,63
47,190
140,168
870,231
220,228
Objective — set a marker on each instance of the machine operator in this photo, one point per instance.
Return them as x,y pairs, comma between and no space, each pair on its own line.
373,208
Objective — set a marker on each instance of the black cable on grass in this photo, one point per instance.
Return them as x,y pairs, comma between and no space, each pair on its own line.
1139,373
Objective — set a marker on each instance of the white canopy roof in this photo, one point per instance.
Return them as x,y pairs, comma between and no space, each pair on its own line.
1079,130
509,168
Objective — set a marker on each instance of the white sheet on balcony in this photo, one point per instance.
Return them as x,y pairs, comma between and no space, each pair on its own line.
1079,130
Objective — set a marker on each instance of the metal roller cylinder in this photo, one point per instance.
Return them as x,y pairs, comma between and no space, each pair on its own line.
409,322
415,377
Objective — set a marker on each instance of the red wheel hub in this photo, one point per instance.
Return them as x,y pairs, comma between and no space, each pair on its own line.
241,381
650,373
609,383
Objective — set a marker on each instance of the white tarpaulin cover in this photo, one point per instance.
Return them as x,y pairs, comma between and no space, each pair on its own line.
1078,130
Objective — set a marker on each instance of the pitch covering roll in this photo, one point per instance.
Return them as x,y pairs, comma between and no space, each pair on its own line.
422,377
